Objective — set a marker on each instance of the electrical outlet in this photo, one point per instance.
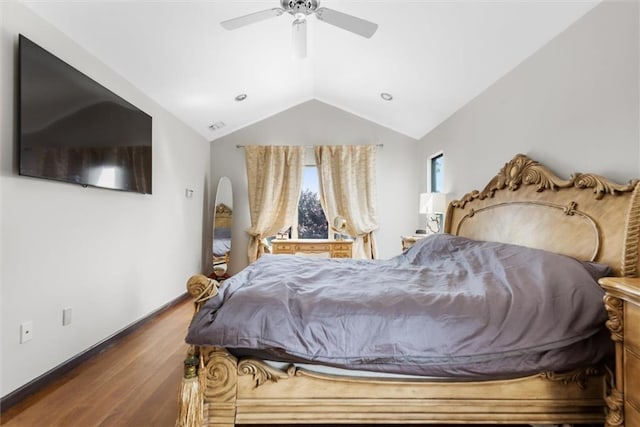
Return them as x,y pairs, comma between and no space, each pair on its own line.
26,332
66,316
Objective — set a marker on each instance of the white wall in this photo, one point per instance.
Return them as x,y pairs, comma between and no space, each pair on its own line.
316,123
573,105
113,257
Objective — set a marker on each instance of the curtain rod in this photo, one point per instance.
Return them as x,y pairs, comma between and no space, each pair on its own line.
311,146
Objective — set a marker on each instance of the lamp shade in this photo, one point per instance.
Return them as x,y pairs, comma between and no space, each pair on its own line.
433,203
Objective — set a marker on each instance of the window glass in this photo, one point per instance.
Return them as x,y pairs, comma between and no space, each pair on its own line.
437,173
312,224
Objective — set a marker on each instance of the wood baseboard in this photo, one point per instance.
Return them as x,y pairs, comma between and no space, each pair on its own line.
54,374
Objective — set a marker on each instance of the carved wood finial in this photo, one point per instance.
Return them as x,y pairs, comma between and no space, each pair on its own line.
197,284
202,288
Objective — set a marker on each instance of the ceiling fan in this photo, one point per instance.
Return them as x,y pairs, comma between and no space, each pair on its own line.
300,9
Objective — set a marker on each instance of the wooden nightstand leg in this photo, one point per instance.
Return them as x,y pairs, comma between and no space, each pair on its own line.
614,396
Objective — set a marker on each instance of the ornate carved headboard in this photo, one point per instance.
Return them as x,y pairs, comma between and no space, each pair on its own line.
587,217
223,216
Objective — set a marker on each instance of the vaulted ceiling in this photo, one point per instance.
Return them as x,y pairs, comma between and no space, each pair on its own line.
433,57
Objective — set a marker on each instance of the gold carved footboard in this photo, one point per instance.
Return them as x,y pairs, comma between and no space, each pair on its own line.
248,391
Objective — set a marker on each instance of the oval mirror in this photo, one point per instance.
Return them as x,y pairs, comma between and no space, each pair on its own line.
222,221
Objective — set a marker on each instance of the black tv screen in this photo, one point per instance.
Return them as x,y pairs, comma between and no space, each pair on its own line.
73,129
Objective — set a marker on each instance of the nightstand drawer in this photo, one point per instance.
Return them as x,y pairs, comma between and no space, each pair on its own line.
631,323
632,378
631,416
341,254
312,248
282,248
342,247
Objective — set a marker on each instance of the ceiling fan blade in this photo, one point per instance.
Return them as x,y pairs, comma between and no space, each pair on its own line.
299,38
241,21
347,22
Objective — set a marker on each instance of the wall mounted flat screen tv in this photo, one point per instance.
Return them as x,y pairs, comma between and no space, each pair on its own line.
75,130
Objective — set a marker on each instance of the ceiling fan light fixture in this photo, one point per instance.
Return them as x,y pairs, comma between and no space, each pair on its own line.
241,97
299,38
386,96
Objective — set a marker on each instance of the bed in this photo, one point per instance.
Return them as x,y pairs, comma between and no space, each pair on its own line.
585,217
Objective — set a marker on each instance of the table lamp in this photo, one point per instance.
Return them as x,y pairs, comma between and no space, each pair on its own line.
435,204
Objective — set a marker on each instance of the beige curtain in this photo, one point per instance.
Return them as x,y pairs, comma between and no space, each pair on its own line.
274,175
348,188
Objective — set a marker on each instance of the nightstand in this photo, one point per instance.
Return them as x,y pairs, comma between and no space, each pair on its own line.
408,241
622,301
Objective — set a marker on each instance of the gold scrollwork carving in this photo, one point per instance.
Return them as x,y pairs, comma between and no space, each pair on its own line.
614,416
221,374
293,371
615,324
601,185
261,372
570,209
223,209
577,376
522,170
469,197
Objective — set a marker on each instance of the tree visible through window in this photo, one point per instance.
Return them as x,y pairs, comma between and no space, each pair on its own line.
312,223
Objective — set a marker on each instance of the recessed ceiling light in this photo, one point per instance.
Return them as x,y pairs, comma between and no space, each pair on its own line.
386,96
241,97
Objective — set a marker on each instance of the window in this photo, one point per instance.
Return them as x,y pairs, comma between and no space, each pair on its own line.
312,223
435,220
437,173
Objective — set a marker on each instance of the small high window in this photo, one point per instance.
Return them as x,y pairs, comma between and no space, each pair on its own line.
437,173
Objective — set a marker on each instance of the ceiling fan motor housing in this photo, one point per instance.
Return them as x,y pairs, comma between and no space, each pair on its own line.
299,6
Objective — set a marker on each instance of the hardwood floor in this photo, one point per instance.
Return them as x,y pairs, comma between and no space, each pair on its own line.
133,383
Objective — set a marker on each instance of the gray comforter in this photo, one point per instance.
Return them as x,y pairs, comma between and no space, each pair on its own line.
449,306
